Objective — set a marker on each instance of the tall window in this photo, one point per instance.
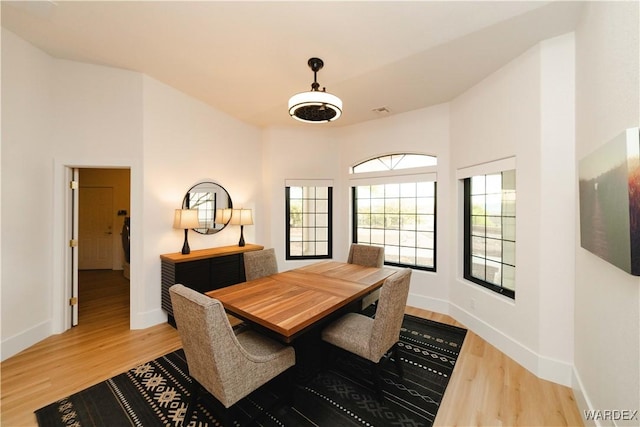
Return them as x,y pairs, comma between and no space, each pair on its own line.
309,220
397,211
490,231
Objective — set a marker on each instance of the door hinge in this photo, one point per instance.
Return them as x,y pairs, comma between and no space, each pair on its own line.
73,185
73,301
73,243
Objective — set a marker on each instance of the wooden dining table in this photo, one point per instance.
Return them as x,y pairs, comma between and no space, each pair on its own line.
289,303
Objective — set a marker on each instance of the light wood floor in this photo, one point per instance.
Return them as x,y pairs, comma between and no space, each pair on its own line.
486,389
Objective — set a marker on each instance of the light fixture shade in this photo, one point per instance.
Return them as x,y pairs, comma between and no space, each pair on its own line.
186,219
315,107
241,217
223,215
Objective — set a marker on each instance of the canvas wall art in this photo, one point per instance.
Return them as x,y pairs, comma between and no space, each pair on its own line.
609,182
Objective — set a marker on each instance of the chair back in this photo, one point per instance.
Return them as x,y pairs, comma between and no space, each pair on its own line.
390,313
259,264
368,256
212,350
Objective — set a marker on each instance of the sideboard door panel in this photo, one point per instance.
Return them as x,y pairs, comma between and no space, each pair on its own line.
195,275
226,271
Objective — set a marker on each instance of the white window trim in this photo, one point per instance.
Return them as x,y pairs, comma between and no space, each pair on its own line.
488,168
396,174
308,183
394,179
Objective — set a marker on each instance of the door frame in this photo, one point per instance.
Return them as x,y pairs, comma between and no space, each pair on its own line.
61,293
72,275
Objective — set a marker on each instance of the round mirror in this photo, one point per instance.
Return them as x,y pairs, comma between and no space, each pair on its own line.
210,199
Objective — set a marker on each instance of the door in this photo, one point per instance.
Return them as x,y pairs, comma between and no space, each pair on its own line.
95,248
73,176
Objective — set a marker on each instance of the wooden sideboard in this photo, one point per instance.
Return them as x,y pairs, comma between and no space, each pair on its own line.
203,270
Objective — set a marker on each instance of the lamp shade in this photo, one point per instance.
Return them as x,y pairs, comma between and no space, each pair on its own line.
186,219
223,215
241,217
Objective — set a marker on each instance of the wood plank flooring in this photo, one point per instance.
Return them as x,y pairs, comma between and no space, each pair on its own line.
486,389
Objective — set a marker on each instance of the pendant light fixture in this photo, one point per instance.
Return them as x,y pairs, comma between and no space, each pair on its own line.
315,106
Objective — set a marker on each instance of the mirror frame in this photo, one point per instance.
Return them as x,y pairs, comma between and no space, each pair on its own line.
186,204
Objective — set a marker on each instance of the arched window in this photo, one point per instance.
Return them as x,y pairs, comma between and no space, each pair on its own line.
395,162
397,210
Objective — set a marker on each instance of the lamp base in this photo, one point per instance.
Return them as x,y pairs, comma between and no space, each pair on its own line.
241,242
185,246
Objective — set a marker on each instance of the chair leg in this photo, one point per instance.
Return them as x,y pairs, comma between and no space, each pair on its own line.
330,355
376,380
290,387
396,357
195,390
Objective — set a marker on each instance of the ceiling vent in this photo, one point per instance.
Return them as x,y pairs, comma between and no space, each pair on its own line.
381,110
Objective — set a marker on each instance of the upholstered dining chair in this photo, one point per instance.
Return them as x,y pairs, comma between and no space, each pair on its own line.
369,256
375,339
258,264
227,365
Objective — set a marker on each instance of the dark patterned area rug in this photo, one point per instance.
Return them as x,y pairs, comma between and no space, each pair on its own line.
156,393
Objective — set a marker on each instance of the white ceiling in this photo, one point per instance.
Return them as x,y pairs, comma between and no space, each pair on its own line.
247,58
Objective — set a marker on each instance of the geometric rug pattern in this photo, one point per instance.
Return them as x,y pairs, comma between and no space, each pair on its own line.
156,393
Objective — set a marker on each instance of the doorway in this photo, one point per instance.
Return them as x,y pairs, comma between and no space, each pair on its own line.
103,215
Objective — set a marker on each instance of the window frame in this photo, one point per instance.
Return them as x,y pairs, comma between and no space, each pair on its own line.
465,176
429,162
329,186
397,176
354,229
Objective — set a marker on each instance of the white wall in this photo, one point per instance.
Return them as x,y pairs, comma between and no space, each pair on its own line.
522,111
557,208
26,192
607,300
186,142
56,113
424,131
328,154
318,153
297,153
97,122
60,113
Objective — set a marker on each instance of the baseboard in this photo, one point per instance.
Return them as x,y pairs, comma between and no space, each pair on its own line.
428,303
147,319
555,370
15,344
582,399
545,368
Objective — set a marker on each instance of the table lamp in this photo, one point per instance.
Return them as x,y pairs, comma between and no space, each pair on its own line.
223,215
241,217
186,219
